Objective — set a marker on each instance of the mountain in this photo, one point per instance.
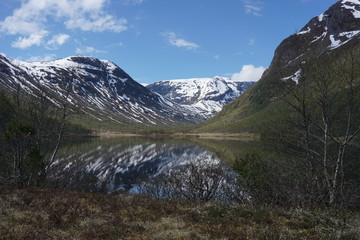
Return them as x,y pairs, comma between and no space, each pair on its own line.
206,95
334,35
97,89
337,26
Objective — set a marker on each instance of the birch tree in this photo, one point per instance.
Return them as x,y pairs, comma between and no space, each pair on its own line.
325,111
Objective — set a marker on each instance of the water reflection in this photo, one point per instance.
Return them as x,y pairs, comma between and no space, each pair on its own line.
119,164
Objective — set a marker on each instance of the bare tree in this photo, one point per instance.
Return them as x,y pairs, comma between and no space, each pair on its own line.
64,112
33,135
41,111
324,113
196,182
18,146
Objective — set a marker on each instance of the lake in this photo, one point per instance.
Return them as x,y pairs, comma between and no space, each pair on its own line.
116,164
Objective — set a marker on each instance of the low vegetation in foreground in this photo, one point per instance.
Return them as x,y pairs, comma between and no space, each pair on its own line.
33,213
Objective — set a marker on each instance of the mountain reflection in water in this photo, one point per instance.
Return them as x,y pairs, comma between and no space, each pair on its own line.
118,164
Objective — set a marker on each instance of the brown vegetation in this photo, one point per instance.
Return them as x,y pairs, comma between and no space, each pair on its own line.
32,213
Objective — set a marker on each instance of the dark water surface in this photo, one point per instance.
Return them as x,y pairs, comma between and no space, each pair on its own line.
110,165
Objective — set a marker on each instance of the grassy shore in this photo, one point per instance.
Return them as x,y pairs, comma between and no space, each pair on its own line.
33,213
248,137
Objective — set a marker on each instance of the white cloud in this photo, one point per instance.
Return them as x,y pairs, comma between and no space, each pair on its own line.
174,40
216,56
45,58
252,42
32,39
119,44
115,45
88,50
253,7
31,18
248,73
57,41
134,2
97,24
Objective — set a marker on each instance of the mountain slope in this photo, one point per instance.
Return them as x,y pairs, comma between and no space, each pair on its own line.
335,33
97,88
337,26
207,95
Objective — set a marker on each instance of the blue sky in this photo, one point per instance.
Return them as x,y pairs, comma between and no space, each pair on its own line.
156,40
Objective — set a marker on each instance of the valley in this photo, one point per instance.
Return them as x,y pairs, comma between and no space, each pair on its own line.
198,158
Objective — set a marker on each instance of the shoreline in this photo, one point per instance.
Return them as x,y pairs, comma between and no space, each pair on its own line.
215,136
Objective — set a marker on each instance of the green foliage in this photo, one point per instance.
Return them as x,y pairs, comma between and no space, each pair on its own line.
29,128
5,168
19,130
6,110
251,168
21,149
257,176
35,166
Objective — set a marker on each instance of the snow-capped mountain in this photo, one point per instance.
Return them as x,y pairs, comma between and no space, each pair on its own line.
206,95
331,36
339,25
98,88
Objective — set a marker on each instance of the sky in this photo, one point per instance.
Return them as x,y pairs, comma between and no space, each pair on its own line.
155,40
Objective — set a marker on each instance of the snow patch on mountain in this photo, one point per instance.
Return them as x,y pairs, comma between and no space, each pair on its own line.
295,77
352,6
321,17
305,31
325,32
336,40
334,43
347,36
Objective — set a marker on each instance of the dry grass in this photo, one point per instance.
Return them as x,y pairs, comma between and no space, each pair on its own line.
29,213
110,134
244,136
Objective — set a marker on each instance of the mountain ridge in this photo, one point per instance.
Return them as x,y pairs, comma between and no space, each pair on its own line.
97,88
339,32
207,95
335,27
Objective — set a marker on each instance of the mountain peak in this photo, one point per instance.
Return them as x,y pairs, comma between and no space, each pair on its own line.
335,33
351,2
207,95
96,88
335,27
85,60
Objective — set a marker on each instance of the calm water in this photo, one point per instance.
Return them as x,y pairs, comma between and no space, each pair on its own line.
120,164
